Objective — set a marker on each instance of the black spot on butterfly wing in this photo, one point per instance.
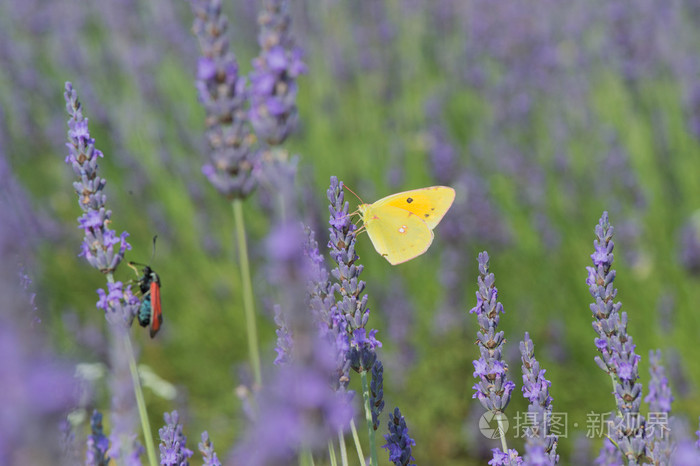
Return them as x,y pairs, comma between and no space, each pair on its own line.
409,200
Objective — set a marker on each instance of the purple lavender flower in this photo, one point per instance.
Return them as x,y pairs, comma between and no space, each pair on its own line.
658,433
273,111
173,450
510,458
97,443
540,444
618,358
376,393
206,447
299,408
609,454
36,387
686,453
398,442
690,244
100,241
297,411
98,247
285,342
659,397
222,93
493,390
399,315
331,323
352,303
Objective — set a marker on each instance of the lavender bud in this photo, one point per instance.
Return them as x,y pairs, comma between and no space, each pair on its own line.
376,393
398,442
206,447
97,443
493,389
173,451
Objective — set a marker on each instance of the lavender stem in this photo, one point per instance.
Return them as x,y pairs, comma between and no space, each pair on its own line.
140,401
374,459
331,453
248,305
358,445
343,450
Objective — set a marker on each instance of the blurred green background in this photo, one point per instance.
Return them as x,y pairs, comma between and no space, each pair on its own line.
541,115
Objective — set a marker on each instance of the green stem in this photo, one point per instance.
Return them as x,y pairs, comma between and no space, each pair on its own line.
251,326
343,450
358,445
331,453
374,460
140,401
501,429
138,392
305,458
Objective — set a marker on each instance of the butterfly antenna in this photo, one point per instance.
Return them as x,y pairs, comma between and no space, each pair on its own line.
153,254
346,187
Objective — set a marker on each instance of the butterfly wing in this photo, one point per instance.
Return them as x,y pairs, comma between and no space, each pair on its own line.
397,234
429,204
157,313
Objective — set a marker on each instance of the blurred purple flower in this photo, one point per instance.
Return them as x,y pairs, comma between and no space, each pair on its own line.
273,111
511,458
97,443
540,443
493,389
659,442
222,93
609,455
618,357
686,453
689,251
37,386
173,450
297,411
330,322
659,397
206,447
399,315
398,442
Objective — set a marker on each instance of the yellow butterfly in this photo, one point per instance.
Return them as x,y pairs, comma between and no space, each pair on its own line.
400,226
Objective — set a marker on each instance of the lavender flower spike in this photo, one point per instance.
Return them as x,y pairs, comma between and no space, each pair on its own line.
222,93
101,247
172,442
398,443
618,357
206,448
540,445
100,244
97,443
493,390
273,111
659,443
352,303
377,392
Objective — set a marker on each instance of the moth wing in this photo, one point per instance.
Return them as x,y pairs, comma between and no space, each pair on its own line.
429,204
397,234
157,313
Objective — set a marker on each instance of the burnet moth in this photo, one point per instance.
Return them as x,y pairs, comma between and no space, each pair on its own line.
149,284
